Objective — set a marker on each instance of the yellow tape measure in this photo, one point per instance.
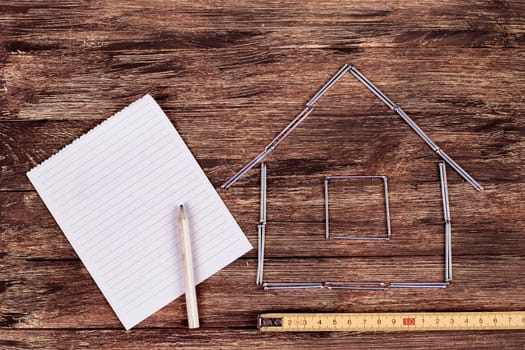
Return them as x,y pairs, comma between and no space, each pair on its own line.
391,321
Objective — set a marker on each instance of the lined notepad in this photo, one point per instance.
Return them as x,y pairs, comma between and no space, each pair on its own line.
115,193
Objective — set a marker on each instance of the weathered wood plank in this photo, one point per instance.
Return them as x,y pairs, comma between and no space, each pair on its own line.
486,223
235,85
103,26
230,338
61,294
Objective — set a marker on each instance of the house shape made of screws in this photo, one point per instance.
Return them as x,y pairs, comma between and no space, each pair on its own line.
353,285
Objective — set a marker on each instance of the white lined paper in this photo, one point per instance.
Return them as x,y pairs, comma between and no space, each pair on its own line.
115,193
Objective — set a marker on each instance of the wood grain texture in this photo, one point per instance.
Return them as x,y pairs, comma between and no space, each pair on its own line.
233,83
243,338
230,75
192,24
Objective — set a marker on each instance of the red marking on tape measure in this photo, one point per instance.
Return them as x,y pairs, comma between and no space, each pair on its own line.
409,321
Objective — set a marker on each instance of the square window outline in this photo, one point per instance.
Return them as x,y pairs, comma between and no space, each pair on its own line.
327,213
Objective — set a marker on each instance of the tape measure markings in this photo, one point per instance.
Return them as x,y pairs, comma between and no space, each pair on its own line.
391,321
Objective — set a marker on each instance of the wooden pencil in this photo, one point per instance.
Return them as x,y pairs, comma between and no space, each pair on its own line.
189,279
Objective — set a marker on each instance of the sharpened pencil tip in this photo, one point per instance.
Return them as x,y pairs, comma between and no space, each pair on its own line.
181,206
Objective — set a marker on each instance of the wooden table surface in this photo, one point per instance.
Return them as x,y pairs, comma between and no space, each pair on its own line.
230,76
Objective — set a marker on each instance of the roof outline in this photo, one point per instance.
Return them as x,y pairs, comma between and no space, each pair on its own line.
309,107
